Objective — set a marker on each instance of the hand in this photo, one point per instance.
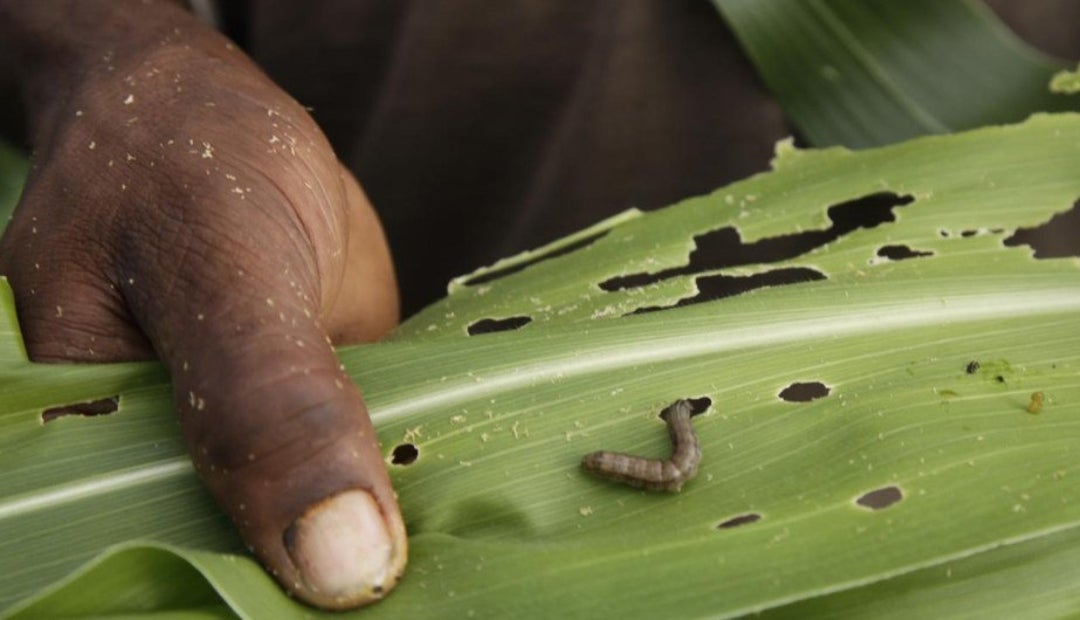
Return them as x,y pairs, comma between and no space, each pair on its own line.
181,206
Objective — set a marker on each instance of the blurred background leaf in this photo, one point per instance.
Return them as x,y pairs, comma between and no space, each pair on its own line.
874,72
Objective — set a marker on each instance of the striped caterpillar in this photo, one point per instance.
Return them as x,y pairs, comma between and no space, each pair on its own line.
654,474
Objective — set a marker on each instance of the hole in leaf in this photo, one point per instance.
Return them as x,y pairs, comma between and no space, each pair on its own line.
404,454
719,286
490,276
490,326
750,517
968,233
880,498
699,406
1056,238
103,406
723,248
900,252
801,392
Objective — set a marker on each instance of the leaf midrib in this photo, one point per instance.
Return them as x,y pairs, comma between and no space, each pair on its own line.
79,490
622,346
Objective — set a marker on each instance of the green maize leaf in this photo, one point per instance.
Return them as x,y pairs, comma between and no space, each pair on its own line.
888,317
1034,579
116,585
878,71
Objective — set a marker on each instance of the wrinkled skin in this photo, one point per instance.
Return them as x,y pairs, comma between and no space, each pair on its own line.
182,207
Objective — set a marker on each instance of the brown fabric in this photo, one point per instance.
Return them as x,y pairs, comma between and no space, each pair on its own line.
1050,26
482,128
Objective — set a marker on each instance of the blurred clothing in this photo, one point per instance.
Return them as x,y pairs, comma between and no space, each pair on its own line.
480,129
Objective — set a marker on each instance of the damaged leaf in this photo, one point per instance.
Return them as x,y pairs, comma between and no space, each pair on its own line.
823,218
503,522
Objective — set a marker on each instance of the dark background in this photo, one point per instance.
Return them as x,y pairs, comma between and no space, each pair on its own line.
482,128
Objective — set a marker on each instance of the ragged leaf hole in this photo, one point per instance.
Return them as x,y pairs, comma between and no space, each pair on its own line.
490,326
723,248
804,392
879,499
736,521
901,252
1057,238
404,454
699,405
491,276
715,287
92,408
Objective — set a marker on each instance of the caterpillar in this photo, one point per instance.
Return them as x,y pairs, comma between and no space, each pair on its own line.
654,474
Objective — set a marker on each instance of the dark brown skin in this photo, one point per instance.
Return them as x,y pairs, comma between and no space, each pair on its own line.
181,206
